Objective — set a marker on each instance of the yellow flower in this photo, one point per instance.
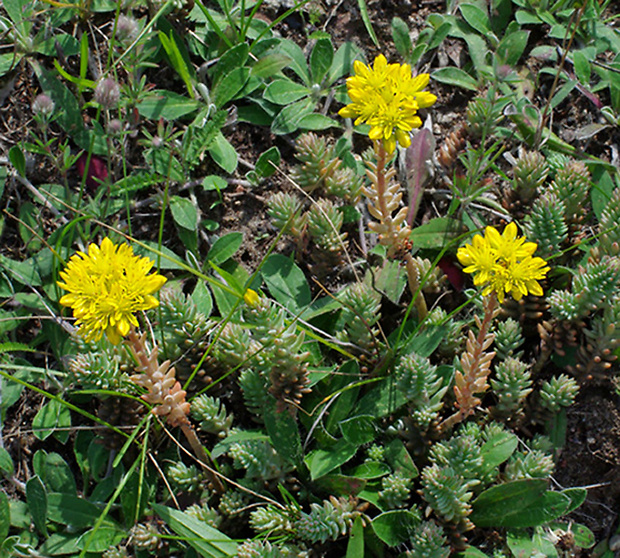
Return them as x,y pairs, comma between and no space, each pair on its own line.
387,97
251,298
106,287
503,263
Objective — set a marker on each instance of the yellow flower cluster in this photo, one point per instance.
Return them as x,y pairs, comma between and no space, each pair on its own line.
504,263
387,97
106,287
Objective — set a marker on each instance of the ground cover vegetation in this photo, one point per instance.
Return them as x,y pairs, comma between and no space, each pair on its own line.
275,283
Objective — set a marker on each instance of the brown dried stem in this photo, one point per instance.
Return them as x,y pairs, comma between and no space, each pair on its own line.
476,365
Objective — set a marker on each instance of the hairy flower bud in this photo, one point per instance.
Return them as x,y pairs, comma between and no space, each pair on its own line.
107,93
43,106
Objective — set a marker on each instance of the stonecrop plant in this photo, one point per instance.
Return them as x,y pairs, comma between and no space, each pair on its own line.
265,297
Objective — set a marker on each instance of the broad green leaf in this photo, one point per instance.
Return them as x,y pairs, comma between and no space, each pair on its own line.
36,497
321,59
471,552
390,279
224,153
286,282
577,497
297,59
477,18
59,544
370,470
75,512
524,544
102,539
184,212
225,248
283,431
168,105
315,121
582,67
455,76
267,162
8,61
201,297
355,546
401,38
497,449
6,463
5,515
398,457
358,430
197,139
340,485
395,527
207,541
270,65
233,59
320,461
18,159
519,504
381,400
436,233
51,416
285,92
53,470
214,182
512,46
230,85
525,17
342,65
287,120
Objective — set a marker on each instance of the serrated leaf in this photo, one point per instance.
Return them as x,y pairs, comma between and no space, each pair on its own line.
204,539
286,282
225,248
455,76
184,213
135,182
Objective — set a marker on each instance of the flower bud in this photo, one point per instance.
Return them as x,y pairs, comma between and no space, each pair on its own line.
107,93
43,106
126,29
